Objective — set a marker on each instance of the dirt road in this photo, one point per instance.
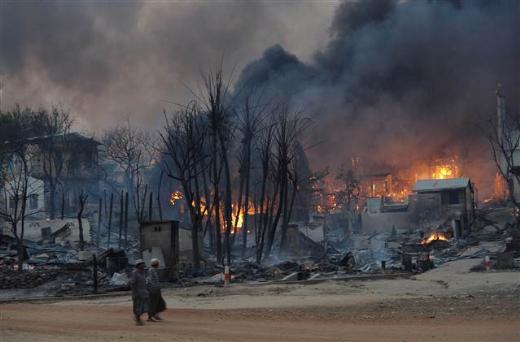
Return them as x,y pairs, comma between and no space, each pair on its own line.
80,322
446,304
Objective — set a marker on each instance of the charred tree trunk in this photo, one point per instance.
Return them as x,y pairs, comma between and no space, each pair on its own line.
121,212
265,156
209,210
261,225
273,221
195,229
82,202
100,214
150,207
126,219
21,254
287,217
22,233
62,205
285,213
52,200
216,198
239,205
110,219
159,205
228,209
245,225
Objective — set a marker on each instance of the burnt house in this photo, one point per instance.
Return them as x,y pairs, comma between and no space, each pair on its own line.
79,164
377,185
445,200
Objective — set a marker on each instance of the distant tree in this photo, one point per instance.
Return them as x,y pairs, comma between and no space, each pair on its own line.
267,188
351,186
504,140
278,150
15,170
184,139
288,134
132,150
250,116
214,99
52,129
82,201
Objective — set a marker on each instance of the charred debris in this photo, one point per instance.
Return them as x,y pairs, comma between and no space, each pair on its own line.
225,193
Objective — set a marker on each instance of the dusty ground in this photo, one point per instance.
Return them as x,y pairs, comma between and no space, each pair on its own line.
446,304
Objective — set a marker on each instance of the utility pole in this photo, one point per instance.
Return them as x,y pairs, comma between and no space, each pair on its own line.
121,215
110,219
99,221
2,86
94,272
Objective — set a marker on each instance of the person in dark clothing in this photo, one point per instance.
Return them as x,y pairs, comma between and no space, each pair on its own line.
157,303
140,295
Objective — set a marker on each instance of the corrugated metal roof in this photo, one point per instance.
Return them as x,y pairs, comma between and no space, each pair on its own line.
424,185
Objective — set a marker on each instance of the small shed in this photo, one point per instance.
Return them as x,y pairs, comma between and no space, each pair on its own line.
160,239
446,199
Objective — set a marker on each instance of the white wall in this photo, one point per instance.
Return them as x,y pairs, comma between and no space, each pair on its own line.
35,188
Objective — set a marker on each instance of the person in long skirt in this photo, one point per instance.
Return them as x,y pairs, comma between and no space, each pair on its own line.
157,303
140,295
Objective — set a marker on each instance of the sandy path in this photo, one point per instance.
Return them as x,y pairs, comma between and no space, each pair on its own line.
47,322
449,280
446,304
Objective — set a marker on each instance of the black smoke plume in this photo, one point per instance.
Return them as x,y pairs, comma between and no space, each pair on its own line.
401,81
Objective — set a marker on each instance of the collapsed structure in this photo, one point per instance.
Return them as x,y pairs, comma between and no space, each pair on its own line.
378,222
433,202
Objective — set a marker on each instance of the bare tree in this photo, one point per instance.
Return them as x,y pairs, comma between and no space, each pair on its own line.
15,168
250,119
279,150
214,99
82,201
504,139
53,128
289,130
16,191
184,138
352,186
132,150
264,150
279,177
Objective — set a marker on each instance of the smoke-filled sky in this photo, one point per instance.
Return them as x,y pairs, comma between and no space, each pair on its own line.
387,80
110,60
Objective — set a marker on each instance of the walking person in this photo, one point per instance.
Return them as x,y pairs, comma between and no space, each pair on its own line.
140,295
157,303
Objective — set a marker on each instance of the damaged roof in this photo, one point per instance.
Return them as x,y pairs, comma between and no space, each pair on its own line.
427,185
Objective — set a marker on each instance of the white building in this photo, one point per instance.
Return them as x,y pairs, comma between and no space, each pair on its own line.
10,191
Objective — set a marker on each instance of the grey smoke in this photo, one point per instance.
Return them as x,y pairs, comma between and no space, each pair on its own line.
403,80
109,60
392,81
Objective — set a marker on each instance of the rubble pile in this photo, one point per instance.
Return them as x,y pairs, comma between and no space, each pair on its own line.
10,279
350,263
61,267
310,255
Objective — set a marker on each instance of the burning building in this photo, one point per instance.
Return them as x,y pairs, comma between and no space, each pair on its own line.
377,185
433,202
445,200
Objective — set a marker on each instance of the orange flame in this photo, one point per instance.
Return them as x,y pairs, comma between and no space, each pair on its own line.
445,170
435,236
174,197
239,220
